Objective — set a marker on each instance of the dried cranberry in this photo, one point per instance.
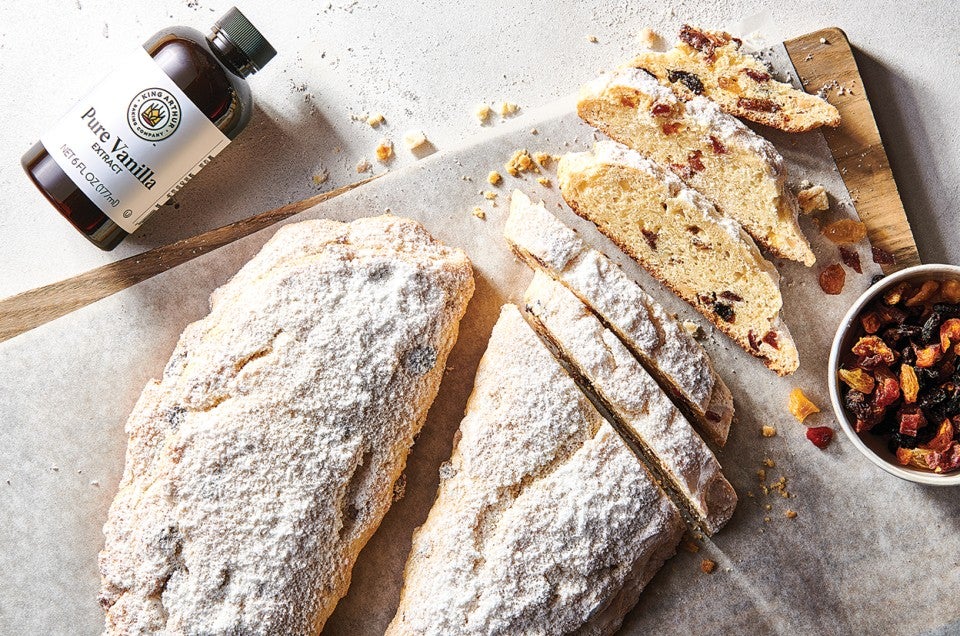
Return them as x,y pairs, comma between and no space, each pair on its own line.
699,40
850,258
758,76
729,295
757,104
911,420
725,312
717,145
693,160
752,339
628,101
821,436
883,257
670,127
772,339
660,109
689,80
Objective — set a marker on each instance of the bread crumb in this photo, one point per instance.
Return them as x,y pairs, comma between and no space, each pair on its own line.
375,120
769,463
321,177
363,166
766,519
707,566
413,139
494,177
762,475
489,196
790,514
544,182
508,108
521,161
482,112
767,507
479,213
384,149
400,487
691,328
824,41
543,158
95,483
648,39
592,39
768,431
534,131
813,198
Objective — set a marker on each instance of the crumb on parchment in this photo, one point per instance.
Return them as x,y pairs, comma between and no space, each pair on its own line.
384,149
414,138
482,112
494,178
521,161
375,119
707,566
479,213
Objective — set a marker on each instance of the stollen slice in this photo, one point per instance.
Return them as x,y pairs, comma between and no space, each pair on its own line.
710,63
638,406
680,238
658,340
545,522
713,152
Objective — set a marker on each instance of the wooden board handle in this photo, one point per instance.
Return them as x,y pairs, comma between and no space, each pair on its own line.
30,309
824,58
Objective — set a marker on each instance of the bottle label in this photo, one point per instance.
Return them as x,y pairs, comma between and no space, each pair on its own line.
133,141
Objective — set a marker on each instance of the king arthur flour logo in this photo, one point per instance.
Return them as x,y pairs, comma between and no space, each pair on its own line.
154,114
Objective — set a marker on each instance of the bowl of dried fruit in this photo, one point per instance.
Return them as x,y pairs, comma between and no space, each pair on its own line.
894,374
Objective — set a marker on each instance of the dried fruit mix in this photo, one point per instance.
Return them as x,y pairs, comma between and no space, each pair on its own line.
901,379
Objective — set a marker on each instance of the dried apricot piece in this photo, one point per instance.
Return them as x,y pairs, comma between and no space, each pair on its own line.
909,383
874,346
928,356
943,438
800,405
832,279
949,333
857,379
845,231
871,322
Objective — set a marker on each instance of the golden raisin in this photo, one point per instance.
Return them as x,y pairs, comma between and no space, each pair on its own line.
874,346
857,379
950,291
800,405
949,332
909,383
845,231
927,290
832,279
928,356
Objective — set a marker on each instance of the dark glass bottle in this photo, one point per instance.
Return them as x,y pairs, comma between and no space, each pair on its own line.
209,69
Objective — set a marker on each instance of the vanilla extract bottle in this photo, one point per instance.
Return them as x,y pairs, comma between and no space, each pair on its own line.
138,137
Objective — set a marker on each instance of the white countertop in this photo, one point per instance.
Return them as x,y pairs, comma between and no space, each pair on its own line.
427,65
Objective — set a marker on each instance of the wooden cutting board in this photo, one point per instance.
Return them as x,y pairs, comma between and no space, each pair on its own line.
821,58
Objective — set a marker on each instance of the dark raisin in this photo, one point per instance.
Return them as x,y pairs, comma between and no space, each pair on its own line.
871,363
758,76
883,257
725,311
760,105
901,441
752,339
908,356
947,310
660,109
856,402
931,329
876,279
694,161
651,238
717,145
850,258
689,80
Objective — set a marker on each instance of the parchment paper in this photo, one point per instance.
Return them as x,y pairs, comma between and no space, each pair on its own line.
867,553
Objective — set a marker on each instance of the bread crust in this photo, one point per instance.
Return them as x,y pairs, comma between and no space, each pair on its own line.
264,459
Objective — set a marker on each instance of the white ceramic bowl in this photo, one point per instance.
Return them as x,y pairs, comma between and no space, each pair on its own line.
874,448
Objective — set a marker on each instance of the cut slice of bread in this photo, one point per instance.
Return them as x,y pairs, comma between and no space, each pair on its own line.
544,517
643,413
681,239
663,346
710,63
713,152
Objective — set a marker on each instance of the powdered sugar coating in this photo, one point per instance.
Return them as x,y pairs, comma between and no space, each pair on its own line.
546,243
264,459
545,515
634,78
634,399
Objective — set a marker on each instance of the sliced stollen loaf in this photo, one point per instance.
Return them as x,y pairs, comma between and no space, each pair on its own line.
545,522
659,341
264,459
681,239
642,411
710,63
737,169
